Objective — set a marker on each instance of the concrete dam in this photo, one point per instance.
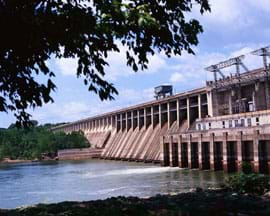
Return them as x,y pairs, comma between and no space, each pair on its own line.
134,133
215,127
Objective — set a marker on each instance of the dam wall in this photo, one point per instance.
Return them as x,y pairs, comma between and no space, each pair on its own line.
134,133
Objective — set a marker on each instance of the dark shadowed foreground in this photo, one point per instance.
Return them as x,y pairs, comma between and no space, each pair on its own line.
186,204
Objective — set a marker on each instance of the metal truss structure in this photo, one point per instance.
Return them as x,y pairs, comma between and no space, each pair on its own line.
236,79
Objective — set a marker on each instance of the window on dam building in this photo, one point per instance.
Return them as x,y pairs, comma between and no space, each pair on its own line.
230,123
249,122
233,123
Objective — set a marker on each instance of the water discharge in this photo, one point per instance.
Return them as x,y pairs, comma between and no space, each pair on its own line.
132,171
27,184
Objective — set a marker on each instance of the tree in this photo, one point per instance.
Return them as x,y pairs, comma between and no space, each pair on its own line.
33,142
35,30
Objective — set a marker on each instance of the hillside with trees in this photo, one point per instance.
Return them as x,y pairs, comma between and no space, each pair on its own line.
32,143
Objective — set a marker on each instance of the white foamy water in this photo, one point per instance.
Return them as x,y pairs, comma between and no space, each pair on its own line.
132,171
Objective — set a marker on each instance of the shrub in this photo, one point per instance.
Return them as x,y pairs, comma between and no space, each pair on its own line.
249,183
246,168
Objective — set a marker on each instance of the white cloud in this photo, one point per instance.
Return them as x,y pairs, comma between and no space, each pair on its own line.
156,63
188,72
148,93
129,96
66,66
61,112
228,14
117,64
224,11
177,77
118,68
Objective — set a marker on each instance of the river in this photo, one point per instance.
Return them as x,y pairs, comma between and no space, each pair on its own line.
32,183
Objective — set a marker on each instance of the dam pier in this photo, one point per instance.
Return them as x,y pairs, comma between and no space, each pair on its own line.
216,127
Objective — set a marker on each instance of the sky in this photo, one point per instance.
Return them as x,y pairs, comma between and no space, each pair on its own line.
234,27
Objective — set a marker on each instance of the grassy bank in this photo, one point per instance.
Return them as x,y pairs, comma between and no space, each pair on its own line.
208,202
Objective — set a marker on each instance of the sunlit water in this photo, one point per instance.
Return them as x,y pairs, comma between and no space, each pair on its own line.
27,184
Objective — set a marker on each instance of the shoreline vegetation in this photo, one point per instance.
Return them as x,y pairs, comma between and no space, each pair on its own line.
197,202
15,161
19,161
36,143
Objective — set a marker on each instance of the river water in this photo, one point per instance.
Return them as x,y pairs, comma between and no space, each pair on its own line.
31,183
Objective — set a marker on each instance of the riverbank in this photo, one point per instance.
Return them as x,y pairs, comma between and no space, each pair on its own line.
18,161
10,161
199,202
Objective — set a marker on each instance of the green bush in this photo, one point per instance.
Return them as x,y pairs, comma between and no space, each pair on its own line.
249,183
246,168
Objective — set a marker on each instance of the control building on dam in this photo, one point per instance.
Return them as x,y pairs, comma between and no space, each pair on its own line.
216,127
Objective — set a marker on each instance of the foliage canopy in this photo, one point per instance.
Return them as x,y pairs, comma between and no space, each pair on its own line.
248,182
31,143
36,30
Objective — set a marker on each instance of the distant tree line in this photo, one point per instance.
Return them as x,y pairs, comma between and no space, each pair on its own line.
33,142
